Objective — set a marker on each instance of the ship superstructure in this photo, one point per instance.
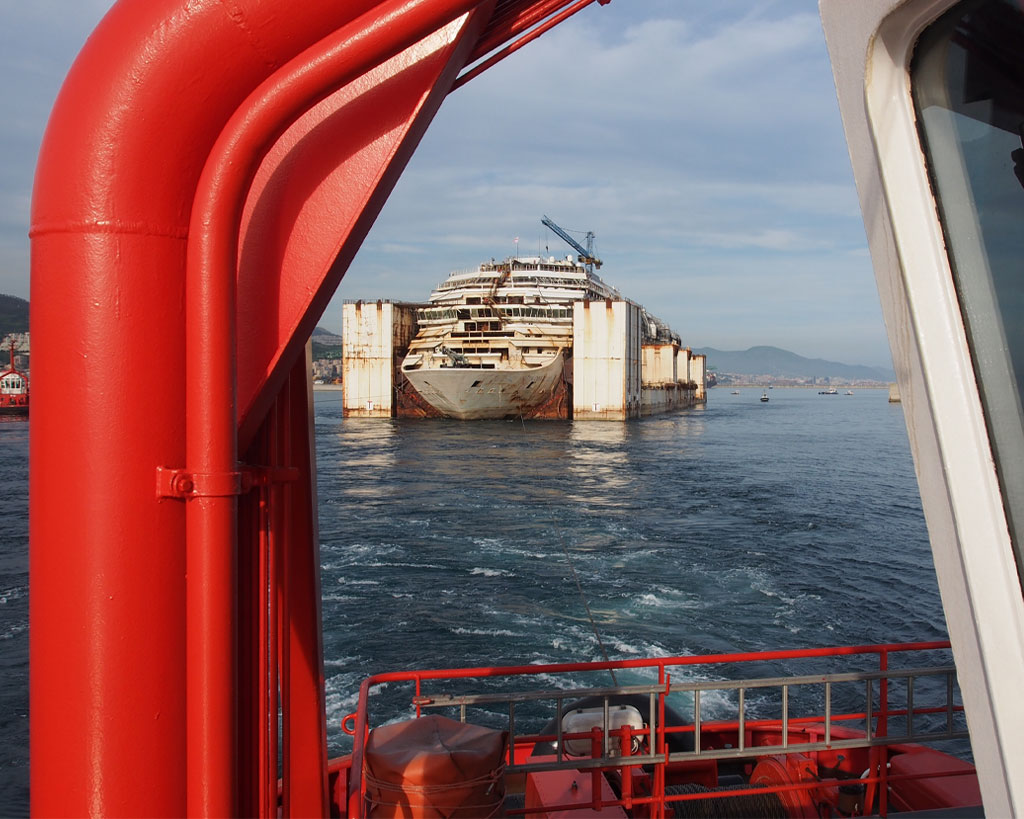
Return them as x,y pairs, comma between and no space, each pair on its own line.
494,341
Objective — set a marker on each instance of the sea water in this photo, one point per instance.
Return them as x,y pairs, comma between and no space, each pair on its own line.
737,526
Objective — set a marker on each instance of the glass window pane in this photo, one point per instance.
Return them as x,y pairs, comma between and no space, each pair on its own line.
967,78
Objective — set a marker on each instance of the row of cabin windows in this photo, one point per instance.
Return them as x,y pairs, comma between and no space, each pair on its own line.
502,353
497,300
12,383
549,280
489,280
538,312
453,285
464,314
502,350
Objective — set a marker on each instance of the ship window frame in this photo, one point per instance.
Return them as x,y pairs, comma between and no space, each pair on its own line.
972,159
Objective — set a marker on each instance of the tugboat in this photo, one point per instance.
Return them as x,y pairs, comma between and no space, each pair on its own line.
13,390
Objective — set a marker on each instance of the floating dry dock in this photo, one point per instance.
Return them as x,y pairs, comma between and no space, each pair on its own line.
614,365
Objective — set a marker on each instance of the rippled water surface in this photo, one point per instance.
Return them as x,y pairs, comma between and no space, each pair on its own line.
738,526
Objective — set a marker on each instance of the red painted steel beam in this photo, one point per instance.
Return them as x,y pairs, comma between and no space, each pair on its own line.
118,166
119,172
305,764
317,194
512,18
527,38
211,429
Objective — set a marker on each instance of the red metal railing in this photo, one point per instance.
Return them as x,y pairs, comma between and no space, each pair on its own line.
812,734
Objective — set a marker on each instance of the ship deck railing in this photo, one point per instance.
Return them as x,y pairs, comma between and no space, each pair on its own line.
869,708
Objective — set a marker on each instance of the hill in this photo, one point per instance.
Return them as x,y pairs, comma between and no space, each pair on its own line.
13,315
326,344
778,363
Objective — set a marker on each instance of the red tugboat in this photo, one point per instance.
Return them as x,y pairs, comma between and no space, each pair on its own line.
13,390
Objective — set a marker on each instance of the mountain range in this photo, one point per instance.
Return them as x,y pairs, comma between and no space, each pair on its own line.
779,363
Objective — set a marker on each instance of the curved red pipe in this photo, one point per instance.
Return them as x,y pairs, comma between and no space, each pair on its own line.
211,428
135,370
118,168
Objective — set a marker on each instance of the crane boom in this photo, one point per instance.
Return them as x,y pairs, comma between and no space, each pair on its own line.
587,256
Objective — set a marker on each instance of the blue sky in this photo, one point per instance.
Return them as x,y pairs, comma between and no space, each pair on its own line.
701,142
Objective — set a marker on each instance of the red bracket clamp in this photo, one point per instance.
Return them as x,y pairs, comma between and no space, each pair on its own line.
183,484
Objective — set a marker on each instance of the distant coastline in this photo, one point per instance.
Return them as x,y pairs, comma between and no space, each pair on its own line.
763,366
839,385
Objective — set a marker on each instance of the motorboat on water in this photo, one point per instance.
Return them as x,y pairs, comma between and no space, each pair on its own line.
764,395
178,669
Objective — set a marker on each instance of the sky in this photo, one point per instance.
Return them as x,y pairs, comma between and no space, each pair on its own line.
700,142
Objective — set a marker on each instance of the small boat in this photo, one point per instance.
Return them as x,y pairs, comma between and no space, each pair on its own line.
764,395
13,390
735,392
829,391
849,392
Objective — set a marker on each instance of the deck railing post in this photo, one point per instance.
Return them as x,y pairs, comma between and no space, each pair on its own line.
910,706
883,730
626,749
662,749
883,695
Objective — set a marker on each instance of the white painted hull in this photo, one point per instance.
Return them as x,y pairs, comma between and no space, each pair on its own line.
472,394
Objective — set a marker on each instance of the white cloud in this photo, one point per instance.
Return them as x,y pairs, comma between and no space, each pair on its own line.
700,141
691,139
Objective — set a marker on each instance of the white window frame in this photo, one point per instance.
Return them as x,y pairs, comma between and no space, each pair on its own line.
871,43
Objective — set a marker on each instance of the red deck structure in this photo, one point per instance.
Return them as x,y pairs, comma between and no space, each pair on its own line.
207,175
208,172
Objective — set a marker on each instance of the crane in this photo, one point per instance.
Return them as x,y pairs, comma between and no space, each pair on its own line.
587,256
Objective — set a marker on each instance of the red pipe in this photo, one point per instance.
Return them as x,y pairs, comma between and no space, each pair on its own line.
211,426
529,37
511,21
660,663
656,662
118,167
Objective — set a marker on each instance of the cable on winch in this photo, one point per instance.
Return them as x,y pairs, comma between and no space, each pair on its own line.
579,587
586,606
